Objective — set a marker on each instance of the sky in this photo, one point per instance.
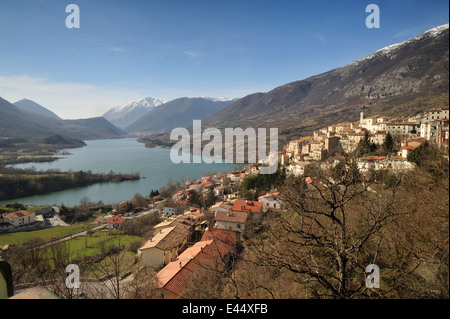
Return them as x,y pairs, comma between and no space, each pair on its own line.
126,50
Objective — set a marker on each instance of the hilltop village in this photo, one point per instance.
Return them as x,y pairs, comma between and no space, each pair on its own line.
406,133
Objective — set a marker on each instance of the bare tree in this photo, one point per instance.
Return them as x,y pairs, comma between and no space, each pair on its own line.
143,285
61,256
110,272
328,230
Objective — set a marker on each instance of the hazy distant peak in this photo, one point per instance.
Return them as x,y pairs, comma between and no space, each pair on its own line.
31,106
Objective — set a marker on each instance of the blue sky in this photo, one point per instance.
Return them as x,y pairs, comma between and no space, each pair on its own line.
125,50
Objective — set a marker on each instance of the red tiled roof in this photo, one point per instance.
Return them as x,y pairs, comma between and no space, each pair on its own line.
116,220
309,180
271,194
217,234
231,217
176,275
18,214
247,206
126,202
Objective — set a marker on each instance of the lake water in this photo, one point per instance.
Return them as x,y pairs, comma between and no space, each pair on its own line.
121,156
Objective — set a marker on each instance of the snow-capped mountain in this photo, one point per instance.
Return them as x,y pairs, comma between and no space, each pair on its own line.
124,115
401,78
392,49
219,99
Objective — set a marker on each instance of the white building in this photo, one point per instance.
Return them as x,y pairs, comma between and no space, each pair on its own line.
297,169
16,220
171,209
403,129
428,130
373,123
270,200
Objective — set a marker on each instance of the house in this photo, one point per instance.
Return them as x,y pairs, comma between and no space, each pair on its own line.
429,130
47,212
115,222
221,206
219,191
196,215
331,144
182,204
270,200
235,179
233,222
166,245
296,169
373,123
17,220
173,279
171,209
442,135
405,150
403,129
247,206
174,220
284,159
180,195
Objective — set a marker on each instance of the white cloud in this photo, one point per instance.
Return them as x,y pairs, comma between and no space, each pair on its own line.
115,49
191,54
68,100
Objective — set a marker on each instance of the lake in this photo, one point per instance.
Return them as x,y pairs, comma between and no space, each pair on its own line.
121,156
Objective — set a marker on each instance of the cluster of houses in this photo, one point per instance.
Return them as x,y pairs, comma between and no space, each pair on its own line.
220,184
190,237
432,126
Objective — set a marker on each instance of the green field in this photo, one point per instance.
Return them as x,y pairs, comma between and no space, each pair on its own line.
93,245
96,245
44,234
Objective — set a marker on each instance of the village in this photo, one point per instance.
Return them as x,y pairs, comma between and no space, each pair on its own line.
409,133
193,234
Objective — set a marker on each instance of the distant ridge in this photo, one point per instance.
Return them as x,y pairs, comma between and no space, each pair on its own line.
33,107
15,122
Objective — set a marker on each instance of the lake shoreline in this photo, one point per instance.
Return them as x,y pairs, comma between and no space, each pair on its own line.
126,156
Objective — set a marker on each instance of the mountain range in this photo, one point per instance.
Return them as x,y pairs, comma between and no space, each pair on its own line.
16,122
402,78
177,113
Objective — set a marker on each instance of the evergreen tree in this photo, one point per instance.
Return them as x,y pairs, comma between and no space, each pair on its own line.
388,144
